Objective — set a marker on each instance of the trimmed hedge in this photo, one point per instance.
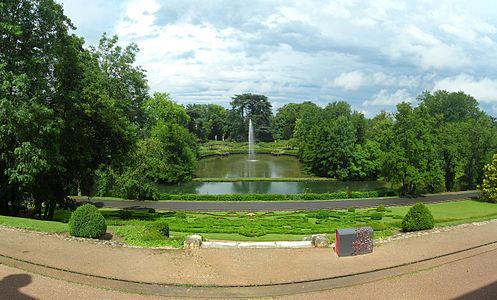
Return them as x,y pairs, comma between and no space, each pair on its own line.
376,216
272,197
87,221
161,227
417,218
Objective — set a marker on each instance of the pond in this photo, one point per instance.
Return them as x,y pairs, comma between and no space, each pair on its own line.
270,187
238,165
267,166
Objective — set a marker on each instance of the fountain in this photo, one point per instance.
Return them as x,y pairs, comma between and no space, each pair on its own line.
251,153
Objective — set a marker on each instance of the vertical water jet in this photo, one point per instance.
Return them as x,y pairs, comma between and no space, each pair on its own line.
251,153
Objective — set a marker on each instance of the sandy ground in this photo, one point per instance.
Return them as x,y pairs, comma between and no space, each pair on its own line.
472,276
229,266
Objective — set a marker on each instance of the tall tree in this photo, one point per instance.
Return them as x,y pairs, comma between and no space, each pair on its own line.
284,121
247,107
412,159
207,121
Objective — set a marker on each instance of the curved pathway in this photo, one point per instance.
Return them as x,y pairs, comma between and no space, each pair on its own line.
286,205
463,250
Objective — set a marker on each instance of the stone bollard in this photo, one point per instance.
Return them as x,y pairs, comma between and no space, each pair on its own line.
320,240
193,242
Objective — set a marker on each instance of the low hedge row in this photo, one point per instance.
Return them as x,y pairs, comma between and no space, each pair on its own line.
272,197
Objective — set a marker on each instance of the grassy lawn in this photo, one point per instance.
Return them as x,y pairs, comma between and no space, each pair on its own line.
258,226
32,224
219,147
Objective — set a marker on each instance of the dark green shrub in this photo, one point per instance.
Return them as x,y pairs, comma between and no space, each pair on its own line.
125,214
161,226
151,211
417,218
87,221
376,216
381,208
252,232
180,215
376,226
351,209
322,214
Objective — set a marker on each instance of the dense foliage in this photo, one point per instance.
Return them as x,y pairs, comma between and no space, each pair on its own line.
440,145
87,221
68,114
417,218
247,107
489,186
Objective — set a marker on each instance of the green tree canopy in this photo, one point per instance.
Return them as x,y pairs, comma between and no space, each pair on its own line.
247,107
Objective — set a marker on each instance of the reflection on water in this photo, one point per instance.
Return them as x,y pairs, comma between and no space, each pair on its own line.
266,165
237,165
270,187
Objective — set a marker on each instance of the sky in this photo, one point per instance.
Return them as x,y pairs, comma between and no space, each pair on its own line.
372,54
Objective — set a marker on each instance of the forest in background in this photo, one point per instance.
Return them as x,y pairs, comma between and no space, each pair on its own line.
77,119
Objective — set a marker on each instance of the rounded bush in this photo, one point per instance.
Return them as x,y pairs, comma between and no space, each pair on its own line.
417,218
87,221
161,226
322,214
252,232
351,209
381,208
376,216
180,215
125,214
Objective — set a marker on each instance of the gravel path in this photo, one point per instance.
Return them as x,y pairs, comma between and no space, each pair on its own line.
286,205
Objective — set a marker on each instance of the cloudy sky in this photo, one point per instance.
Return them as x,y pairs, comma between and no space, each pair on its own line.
372,54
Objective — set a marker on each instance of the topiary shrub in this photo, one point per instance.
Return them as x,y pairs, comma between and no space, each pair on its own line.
151,211
417,218
381,208
351,209
87,221
322,214
161,227
125,214
180,215
376,216
252,232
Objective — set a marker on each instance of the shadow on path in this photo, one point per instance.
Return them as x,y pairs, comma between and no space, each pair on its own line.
10,285
486,292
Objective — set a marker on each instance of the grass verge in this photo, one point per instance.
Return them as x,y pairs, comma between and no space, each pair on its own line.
130,225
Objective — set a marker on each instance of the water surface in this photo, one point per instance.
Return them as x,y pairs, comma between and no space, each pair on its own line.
238,165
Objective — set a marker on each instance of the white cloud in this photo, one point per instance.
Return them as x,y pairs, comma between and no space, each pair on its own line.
483,89
350,81
427,51
139,19
384,98
303,50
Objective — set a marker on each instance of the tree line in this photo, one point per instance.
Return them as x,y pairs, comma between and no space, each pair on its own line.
76,119
79,120
442,144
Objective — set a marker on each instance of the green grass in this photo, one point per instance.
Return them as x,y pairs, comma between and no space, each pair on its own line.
269,226
458,212
33,224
